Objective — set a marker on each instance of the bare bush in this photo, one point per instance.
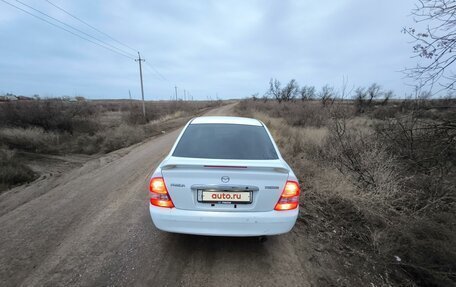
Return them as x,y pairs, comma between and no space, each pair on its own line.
427,150
53,115
59,127
56,126
122,136
307,93
275,90
379,187
366,99
135,115
327,95
285,94
30,139
358,155
290,91
12,172
307,113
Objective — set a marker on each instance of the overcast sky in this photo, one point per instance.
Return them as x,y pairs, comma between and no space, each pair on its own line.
229,48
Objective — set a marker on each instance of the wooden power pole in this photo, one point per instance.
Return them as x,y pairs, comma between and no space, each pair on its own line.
131,102
142,87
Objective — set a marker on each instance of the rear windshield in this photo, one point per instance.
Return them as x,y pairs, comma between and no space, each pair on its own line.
225,141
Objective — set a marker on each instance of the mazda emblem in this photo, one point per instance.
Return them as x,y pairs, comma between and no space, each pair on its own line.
225,179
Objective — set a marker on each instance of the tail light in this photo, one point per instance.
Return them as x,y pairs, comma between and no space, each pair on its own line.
159,195
289,199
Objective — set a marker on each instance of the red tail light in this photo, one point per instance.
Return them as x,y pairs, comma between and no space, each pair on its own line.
290,196
159,195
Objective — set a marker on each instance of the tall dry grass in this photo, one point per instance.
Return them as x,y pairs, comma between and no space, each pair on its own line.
33,139
59,127
378,189
12,171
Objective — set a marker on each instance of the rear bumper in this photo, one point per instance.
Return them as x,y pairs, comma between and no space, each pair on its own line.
223,223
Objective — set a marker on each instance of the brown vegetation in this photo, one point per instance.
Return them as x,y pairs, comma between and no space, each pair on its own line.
61,127
13,172
379,186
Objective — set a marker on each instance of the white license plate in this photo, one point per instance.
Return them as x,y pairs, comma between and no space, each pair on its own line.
225,196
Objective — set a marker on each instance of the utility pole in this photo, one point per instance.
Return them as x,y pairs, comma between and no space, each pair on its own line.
185,95
131,102
142,88
175,89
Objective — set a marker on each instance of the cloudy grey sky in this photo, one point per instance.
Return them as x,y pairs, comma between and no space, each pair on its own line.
231,48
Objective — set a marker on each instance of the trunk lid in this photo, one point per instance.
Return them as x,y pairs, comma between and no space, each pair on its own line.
185,178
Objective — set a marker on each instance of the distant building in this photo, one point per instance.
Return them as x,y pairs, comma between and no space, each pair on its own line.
11,98
73,99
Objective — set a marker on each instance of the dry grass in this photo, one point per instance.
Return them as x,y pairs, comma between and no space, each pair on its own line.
58,127
378,192
122,136
34,139
12,172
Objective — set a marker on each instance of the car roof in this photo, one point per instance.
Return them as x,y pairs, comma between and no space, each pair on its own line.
226,120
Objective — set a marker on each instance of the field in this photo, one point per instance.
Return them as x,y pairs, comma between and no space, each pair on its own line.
379,187
37,135
378,179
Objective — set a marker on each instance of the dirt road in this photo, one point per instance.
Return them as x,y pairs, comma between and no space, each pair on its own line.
91,226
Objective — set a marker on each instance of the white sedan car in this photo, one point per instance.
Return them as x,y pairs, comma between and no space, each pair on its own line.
224,176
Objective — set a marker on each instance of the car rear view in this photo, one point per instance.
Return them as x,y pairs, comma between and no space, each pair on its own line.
224,176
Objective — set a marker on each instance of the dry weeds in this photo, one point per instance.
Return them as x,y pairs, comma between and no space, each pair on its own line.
58,127
379,197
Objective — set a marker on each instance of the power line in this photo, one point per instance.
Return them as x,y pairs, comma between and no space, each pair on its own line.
84,22
76,29
102,44
125,45
62,28
156,72
160,75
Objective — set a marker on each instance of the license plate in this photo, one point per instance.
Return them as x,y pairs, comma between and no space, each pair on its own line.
224,196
